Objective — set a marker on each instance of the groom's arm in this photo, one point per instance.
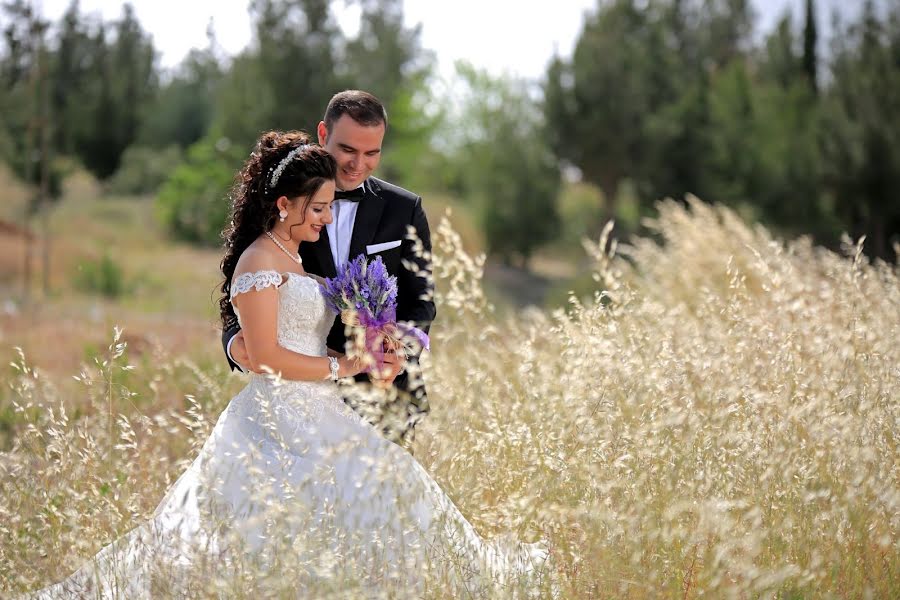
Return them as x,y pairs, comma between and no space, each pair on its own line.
227,338
415,281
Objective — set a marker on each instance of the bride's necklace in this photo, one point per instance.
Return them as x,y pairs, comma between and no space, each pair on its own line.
294,257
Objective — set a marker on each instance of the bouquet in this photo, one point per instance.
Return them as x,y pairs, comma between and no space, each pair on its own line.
365,296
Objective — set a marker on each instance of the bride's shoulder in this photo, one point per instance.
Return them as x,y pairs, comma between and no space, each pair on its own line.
255,269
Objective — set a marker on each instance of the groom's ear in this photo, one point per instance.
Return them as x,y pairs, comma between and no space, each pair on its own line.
322,133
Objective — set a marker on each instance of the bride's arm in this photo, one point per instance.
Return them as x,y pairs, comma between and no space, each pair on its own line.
237,352
259,315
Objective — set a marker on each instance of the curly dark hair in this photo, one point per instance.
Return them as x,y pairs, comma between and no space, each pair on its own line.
253,209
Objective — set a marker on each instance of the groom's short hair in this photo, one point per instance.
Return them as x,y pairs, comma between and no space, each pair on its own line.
362,107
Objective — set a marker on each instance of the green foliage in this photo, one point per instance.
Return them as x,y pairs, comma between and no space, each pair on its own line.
734,153
581,209
80,90
507,167
104,277
386,58
182,111
810,39
143,170
104,79
245,101
675,97
597,102
194,203
409,156
286,79
860,133
25,128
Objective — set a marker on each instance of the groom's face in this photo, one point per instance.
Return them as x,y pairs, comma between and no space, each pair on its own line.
355,147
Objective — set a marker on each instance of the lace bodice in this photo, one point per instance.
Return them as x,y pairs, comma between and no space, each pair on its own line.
303,318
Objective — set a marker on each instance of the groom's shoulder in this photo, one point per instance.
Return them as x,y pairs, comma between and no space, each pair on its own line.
388,190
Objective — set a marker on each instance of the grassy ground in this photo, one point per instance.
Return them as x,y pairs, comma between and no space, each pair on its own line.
721,422
165,304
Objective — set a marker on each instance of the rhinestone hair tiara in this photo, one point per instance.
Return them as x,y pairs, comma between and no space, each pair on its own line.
279,169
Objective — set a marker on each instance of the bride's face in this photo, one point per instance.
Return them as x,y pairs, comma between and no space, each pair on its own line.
305,221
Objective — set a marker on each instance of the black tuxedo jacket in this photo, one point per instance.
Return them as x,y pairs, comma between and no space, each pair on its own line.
384,215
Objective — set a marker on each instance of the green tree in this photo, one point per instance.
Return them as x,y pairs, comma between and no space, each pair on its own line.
860,136
680,142
287,76
193,203
725,28
27,118
244,100
810,39
133,80
735,175
74,71
410,157
509,170
28,123
779,63
597,103
785,133
183,109
385,55
673,97
105,77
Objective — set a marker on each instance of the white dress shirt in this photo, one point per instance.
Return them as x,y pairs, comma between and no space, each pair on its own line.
340,230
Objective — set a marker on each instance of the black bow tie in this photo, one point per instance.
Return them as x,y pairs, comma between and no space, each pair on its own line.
354,195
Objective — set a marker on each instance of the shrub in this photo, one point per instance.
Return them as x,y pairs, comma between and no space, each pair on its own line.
193,203
144,170
103,276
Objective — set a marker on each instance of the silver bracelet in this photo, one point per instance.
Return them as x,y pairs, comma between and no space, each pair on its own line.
333,365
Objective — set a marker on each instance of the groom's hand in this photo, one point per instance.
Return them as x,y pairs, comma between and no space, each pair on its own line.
239,351
398,352
393,364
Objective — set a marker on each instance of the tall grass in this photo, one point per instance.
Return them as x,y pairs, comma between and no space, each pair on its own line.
720,419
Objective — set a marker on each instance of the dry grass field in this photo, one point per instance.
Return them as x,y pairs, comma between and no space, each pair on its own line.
720,420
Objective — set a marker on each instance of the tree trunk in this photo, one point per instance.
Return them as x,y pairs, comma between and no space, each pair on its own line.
26,271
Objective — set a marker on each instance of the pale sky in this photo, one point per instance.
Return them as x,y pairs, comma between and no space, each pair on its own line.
498,35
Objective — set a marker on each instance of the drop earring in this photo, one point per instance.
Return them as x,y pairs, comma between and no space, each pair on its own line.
282,215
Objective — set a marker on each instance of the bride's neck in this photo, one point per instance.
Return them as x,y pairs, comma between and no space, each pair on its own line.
286,241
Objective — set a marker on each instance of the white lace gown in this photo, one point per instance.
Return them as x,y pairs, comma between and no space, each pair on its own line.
294,482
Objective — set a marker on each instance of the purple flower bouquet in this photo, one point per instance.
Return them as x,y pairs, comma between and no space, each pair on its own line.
365,296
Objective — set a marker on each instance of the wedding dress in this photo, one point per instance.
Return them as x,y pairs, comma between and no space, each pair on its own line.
298,485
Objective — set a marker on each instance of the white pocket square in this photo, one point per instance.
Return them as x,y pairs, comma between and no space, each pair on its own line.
382,247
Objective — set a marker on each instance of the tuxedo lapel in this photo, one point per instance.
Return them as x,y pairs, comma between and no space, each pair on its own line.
368,216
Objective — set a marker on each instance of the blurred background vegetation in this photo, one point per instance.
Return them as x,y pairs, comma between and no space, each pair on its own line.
660,99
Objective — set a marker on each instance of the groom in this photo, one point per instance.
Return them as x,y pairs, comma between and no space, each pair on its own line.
372,217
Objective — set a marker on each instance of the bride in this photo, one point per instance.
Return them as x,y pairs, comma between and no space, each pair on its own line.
293,491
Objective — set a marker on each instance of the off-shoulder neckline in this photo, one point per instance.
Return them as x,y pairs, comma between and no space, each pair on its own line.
280,273
283,277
